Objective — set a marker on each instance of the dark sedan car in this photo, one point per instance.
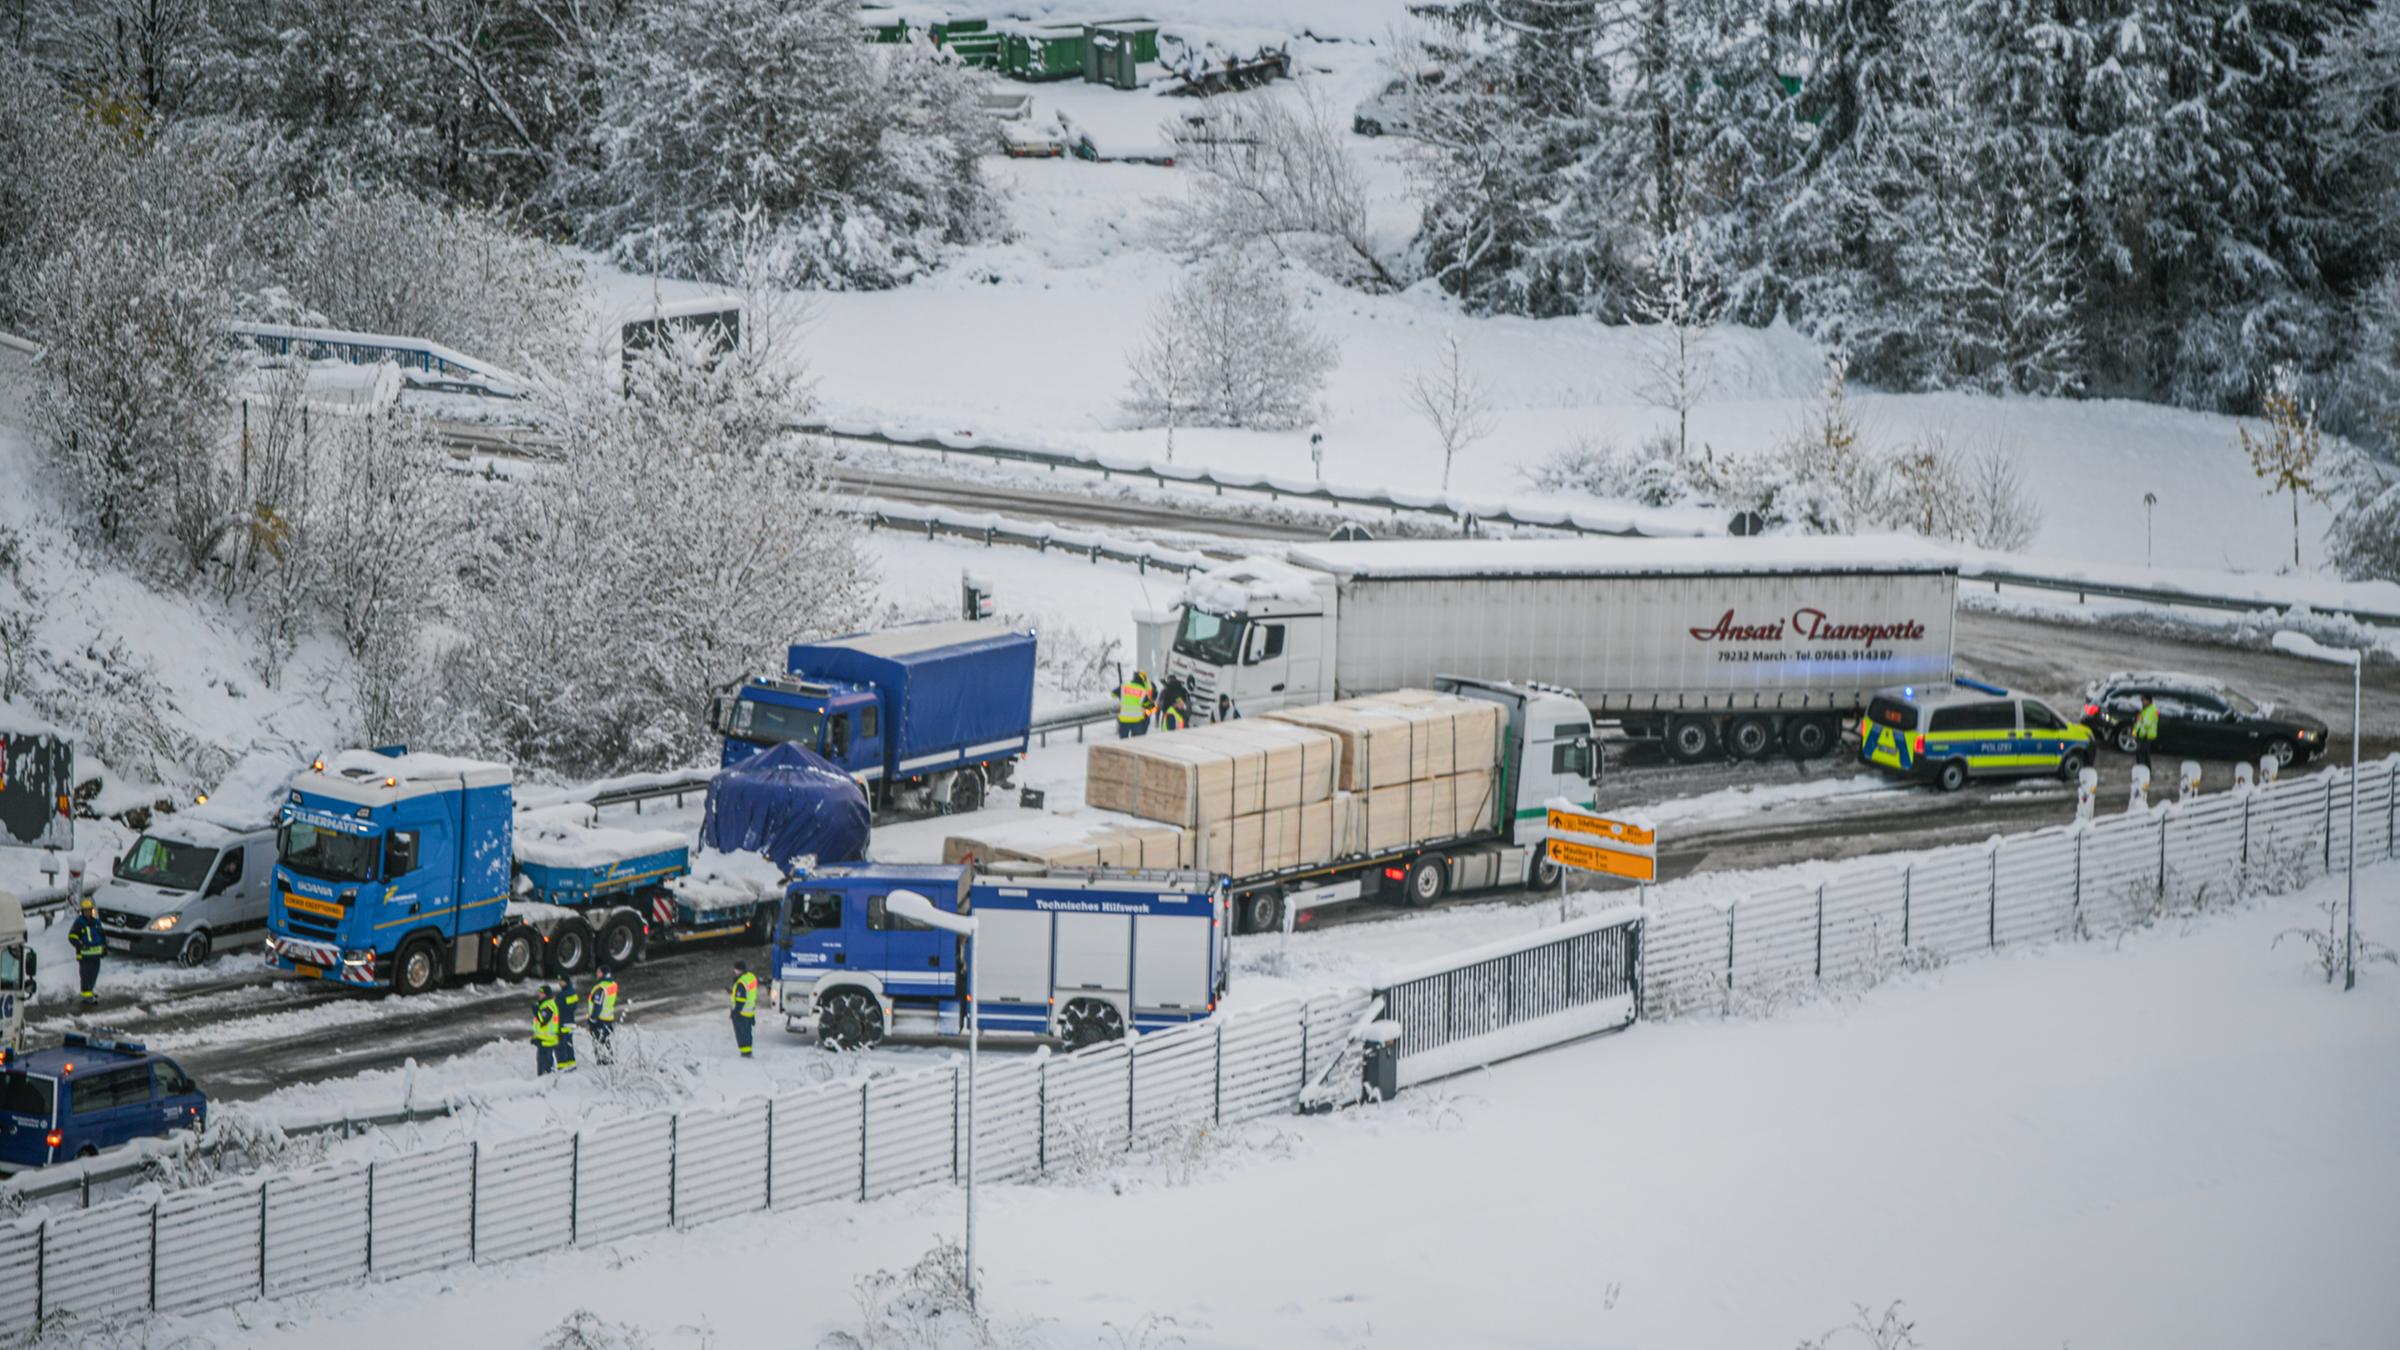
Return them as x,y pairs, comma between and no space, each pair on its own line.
2200,718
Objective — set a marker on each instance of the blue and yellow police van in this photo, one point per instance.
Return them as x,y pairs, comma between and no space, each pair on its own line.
1947,734
90,1093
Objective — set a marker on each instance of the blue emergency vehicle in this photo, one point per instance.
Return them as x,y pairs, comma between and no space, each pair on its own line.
1948,734
930,716
1080,955
87,1094
405,871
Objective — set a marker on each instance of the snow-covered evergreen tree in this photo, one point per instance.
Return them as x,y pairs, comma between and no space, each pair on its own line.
729,125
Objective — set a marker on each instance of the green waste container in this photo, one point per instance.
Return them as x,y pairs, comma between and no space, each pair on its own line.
880,23
1047,53
1142,33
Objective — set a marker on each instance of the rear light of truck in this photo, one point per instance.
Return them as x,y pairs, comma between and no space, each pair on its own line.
1917,744
55,1138
1395,873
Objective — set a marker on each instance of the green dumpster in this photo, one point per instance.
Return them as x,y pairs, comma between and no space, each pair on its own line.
1143,33
881,23
1053,52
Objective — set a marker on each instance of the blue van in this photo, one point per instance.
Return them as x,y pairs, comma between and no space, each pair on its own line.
86,1094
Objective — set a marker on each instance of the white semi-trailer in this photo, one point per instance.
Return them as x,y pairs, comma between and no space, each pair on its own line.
1739,646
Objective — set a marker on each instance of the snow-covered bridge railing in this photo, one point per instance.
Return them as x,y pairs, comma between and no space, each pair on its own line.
479,1203
1518,995
1938,905
367,349
1095,545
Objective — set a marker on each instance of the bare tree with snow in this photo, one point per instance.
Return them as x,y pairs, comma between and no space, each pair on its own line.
1273,171
1240,348
1452,401
1682,305
1165,375
2286,454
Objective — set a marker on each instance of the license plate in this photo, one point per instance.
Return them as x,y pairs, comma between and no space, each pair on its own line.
119,944
309,972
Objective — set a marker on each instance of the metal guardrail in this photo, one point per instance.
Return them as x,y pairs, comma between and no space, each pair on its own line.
1092,545
1274,486
2000,576
475,1203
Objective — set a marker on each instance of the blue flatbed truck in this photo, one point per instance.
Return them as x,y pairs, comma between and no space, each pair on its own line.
406,872
1078,955
930,717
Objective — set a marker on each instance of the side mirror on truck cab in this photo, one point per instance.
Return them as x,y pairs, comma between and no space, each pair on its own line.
399,854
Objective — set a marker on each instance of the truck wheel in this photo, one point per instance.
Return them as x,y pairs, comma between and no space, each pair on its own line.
519,954
1692,739
850,1021
1545,872
621,942
1428,877
1953,776
1262,911
418,969
570,948
1089,1021
1809,737
194,951
966,792
1749,737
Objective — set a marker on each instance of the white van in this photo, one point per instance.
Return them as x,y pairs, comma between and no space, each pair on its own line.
188,887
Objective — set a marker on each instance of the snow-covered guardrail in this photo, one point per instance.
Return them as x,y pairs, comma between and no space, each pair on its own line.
2369,602
288,1232
1041,536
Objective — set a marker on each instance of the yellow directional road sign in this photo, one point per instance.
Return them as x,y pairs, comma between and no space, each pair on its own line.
1606,861
1618,831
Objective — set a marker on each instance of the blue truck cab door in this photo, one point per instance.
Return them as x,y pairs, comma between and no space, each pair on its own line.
854,732
818,931
918,961
420,860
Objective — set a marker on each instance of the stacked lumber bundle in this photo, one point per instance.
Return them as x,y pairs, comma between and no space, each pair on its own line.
1085,840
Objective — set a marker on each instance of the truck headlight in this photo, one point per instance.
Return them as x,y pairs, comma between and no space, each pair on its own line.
163,923
357,959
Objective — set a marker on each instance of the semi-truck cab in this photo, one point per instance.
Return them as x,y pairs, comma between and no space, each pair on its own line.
16,972
929,716
1082,955
406,871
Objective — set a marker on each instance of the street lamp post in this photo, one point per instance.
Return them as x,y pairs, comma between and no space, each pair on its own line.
2149,507
2301,645
910,905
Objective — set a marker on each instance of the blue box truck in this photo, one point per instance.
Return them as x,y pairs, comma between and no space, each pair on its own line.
406,872
929,716
1081,955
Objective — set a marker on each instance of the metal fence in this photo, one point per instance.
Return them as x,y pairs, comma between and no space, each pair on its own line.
476,1203
1515,996
2063,882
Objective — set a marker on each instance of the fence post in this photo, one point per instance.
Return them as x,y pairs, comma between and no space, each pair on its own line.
954,1123
862,1138
674,1164
2328,830
154,1256
2391,811
1730,910
2075,915
2162,862
264,1182
1216,1112
1041,1118
1304,1029
41,1271
371,1218
1820,930
474,1198
2246,827
575,1189
1991,904
1129,1130
770,1153
1908,896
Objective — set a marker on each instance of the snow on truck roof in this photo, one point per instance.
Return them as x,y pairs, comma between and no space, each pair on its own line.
1627,557
914,638
369,778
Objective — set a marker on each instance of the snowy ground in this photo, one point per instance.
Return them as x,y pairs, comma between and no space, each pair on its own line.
2182,1139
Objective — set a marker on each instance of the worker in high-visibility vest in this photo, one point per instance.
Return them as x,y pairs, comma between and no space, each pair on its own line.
1176,715
545,1033
1134,702
84,935
603,1016
2145,731
568,1001
745,1005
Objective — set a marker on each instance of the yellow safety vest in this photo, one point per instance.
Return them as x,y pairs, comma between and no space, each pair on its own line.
745,994
2145,727
545,1023
1174,719
1131,700
604,1001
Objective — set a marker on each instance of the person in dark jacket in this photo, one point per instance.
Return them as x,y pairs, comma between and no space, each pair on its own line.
89,946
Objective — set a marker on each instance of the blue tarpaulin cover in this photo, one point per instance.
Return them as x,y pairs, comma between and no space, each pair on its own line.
785,801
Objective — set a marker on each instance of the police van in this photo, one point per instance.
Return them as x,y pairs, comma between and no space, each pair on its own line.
86,1094
1947,734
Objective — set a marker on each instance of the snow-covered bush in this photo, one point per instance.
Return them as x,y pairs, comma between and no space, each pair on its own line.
136,383
681,542
2365,539
1272,172
925,1307
23,605
1654,473
1226,347
2335,948
731,126
584,1329
386,262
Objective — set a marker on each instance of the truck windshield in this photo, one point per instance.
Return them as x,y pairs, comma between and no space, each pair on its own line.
812,910
773,723
153,861
329,855
1215,639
